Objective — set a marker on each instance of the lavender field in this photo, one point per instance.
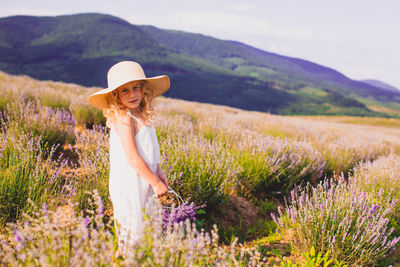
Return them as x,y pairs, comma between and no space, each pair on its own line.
271,190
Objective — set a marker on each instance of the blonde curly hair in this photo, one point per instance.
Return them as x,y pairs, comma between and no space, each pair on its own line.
116,108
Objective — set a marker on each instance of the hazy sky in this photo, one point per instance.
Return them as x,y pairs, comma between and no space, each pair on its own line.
359,38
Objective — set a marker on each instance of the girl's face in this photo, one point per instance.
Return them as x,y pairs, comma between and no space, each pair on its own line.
131,94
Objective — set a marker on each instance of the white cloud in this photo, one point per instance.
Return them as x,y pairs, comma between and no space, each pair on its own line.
12,11
242,7
231,25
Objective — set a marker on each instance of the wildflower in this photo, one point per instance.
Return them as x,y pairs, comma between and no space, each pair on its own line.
17,236
86,222
179,214
72,191
101,207
44,207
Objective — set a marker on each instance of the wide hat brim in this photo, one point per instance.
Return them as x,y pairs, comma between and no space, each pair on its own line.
158,85
125,72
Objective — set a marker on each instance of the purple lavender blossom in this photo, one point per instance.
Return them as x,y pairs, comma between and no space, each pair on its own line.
44,207
345,216
72,191
17,236
179,214
2,147
101,207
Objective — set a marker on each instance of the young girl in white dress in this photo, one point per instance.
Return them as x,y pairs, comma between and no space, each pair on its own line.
135,173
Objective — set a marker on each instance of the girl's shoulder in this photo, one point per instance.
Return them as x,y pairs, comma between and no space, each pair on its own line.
139,119
123,120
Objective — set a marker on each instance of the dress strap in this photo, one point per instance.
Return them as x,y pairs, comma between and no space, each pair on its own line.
130,114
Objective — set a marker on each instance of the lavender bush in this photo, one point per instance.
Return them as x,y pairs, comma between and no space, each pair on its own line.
27,170
41,239
342,155
47,238
54,126
198,168
382,177
270,163
86,114
92,148
48,93
339,217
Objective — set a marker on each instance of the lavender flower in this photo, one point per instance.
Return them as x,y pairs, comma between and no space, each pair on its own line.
17,236
179,214
44,207
86,221
349,223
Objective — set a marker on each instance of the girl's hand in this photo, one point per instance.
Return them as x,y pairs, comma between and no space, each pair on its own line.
163,178
160,188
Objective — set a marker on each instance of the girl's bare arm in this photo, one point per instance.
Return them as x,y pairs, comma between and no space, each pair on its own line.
161,175
124,128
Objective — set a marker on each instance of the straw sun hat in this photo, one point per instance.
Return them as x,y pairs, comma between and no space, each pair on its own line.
122,73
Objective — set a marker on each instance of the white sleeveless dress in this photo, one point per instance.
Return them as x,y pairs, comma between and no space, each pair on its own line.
129,192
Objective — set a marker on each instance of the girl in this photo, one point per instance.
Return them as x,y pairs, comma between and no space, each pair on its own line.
135,173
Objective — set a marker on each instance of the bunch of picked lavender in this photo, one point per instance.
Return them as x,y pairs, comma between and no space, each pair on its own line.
338,216
178,214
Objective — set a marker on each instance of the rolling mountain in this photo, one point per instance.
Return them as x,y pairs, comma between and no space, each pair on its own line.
81,48
247,60
382,85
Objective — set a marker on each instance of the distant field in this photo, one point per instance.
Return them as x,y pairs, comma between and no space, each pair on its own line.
384,122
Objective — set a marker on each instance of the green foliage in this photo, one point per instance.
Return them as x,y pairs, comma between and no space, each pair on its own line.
87,115
277,165
27,170
50,101
325,106
261,228
339,217
93,153
313,259
266,206
53,126
5,97
198,168
381,177
229,234
341,100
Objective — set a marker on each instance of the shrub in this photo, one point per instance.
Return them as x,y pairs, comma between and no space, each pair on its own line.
343,147
47,238
92,148
25,172
86,114
270,163
339,217
88,240
54,126
381,175
198,168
